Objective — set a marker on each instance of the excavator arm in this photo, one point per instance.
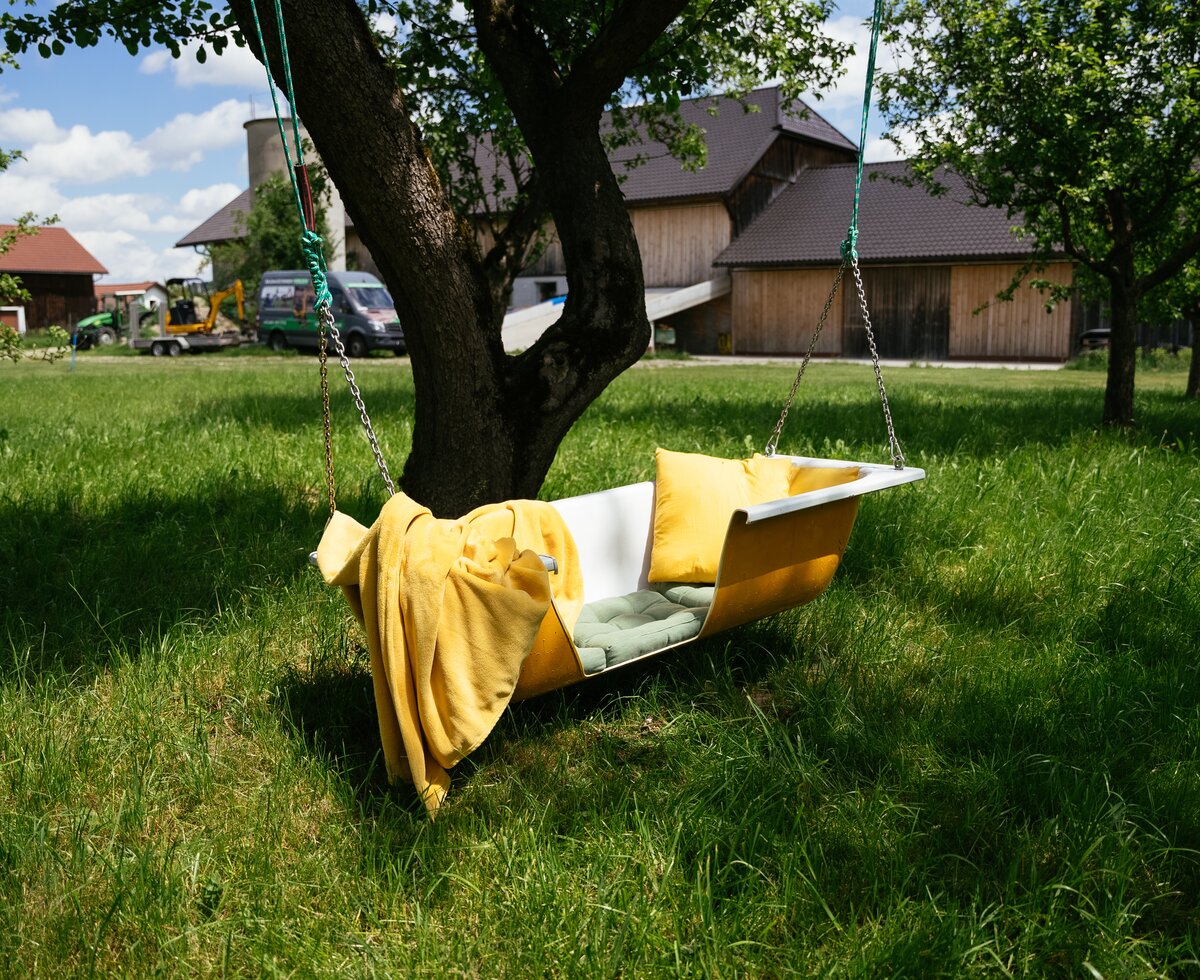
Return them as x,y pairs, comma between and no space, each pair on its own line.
237,291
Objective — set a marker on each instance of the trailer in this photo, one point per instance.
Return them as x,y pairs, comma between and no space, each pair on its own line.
186,343
187,321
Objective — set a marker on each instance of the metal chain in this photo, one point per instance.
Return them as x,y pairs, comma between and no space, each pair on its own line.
893,442
773,442
325,315
322,357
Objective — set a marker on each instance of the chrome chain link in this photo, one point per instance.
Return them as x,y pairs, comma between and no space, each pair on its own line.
325,315
773,442
893,442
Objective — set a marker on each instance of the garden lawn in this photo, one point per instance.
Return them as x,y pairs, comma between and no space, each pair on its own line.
979,752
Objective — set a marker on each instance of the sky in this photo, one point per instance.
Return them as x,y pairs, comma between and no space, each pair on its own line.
132,152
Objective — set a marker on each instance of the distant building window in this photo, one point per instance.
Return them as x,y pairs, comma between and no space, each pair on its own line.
547,290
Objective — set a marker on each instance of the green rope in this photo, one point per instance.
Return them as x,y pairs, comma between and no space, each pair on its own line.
310,242
850,245
262,45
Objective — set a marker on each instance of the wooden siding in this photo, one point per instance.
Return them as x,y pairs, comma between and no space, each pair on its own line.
774,172
700,329
1020,328
909,307
59,299
678,244
775,311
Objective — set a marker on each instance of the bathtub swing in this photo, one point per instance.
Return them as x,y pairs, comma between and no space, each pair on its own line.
770,553
650,566
779,550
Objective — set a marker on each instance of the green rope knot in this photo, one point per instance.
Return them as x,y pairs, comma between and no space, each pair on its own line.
850,245
314,258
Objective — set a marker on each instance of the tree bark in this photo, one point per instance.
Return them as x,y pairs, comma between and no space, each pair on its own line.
487,425
1193,381
1122,352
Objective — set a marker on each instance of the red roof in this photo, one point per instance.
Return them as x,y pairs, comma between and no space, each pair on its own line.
121,288
50,250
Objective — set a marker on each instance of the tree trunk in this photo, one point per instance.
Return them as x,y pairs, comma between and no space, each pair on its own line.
486,425
1122,352
1193,381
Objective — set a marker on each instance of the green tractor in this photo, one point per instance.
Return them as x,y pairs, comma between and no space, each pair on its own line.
97,330
103,329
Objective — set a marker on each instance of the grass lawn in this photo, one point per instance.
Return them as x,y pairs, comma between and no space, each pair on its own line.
979,752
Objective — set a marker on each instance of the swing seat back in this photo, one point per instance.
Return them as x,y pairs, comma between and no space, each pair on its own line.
776,556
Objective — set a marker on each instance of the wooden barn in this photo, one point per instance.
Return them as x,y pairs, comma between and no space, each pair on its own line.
57,271
931,266
684,219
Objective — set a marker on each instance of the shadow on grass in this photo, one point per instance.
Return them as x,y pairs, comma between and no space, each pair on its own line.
80,585
386,396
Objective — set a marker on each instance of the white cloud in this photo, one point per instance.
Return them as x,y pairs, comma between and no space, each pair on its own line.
234,67
130,258
386,24
847,92
202,202
155,63
131,212
25,126
182,141
84,157
880,150
20,193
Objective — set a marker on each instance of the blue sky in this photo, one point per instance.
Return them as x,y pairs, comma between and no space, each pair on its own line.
134,152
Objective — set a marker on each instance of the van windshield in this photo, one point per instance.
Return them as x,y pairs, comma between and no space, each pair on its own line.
369,296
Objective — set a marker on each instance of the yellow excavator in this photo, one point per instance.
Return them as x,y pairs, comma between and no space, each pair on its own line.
190,308
187,322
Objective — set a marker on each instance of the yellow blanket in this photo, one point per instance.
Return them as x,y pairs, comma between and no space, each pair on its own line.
451,610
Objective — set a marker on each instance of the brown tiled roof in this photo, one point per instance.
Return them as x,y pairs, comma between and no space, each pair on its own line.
807,222
736,137
52,249
222,226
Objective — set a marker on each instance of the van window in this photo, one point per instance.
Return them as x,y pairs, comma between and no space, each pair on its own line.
370,296
277,297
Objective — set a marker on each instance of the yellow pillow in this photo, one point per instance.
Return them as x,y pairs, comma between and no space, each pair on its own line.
695,495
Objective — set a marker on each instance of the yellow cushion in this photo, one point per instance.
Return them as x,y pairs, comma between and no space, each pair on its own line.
695,495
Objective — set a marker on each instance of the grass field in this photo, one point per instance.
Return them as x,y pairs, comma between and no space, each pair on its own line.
978,753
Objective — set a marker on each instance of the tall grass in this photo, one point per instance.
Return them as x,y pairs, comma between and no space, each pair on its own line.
979,752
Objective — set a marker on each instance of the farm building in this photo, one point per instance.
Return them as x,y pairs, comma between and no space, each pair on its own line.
57,271
931,267
738,255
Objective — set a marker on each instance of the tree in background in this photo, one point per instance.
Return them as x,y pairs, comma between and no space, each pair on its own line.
487,424
269,234
1179,299
1081,117
12,290
480,151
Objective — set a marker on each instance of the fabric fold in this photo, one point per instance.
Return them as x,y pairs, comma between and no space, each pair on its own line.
450,610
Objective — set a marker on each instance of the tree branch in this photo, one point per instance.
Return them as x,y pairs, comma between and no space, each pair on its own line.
1077,251
618,47
1172,264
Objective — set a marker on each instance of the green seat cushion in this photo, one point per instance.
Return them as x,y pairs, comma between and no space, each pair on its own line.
613,631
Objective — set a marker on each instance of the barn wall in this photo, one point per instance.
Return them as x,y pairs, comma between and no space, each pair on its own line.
59,299
909,308
1020,328
775,311
700,329
678,244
